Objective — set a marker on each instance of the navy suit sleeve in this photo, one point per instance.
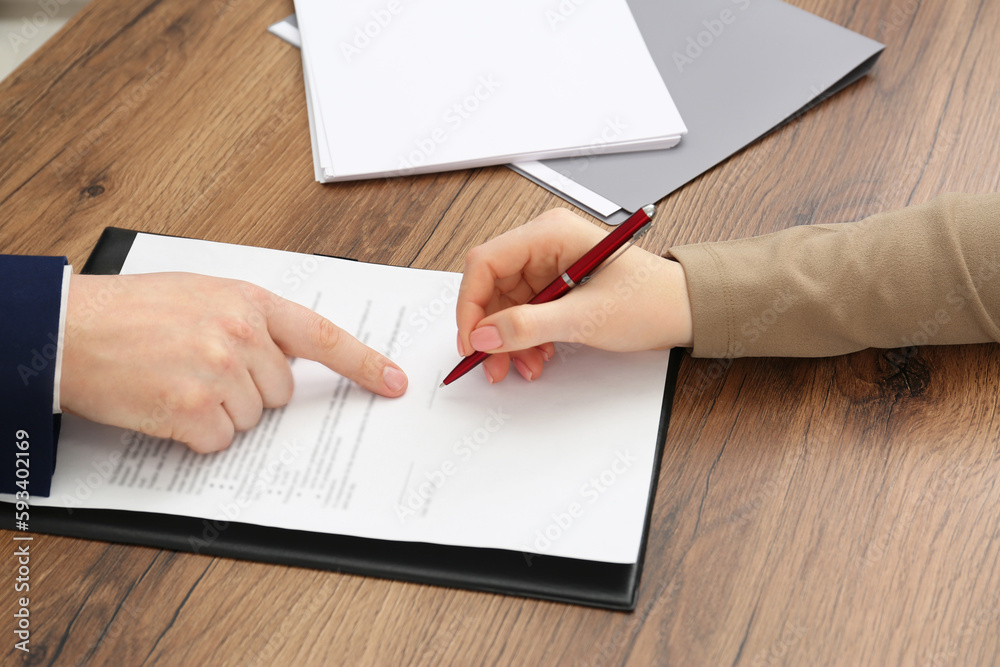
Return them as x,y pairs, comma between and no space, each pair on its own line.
30,299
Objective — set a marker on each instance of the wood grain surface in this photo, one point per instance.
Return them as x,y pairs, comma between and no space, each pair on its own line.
842,511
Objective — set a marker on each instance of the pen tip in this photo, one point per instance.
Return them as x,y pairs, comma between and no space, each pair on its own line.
440,385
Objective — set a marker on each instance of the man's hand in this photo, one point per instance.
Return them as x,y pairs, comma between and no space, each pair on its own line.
196,358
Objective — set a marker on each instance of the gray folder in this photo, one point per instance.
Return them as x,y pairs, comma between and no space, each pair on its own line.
736,69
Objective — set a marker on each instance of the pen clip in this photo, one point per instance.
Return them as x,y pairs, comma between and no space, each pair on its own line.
639,233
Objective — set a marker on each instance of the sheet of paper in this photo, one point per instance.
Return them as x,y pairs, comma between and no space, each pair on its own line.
288,30
560,466
448,84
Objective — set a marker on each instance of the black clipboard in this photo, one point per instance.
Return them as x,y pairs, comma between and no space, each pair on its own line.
606,585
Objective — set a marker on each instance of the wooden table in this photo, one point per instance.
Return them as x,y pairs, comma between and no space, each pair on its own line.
838,511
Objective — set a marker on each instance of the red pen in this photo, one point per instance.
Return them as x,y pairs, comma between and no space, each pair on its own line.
579,273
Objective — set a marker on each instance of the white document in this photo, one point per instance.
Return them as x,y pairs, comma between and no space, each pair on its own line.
288,30
561,466
397,88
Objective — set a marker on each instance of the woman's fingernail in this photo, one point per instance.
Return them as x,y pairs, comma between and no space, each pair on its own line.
489,376
545,354
523,369
394,378
461,352
486,339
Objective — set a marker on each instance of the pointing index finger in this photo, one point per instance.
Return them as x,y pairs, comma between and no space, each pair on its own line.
300,332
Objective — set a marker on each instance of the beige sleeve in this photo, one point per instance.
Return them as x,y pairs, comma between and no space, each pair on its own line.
923,275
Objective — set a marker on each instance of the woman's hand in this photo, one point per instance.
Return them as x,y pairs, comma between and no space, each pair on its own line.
639,302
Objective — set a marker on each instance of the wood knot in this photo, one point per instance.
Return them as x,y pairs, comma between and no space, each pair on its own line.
910,375
93,190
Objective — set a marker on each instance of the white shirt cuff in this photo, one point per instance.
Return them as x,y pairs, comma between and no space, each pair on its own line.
67,272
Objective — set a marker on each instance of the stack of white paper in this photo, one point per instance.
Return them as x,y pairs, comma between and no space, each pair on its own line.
395,88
